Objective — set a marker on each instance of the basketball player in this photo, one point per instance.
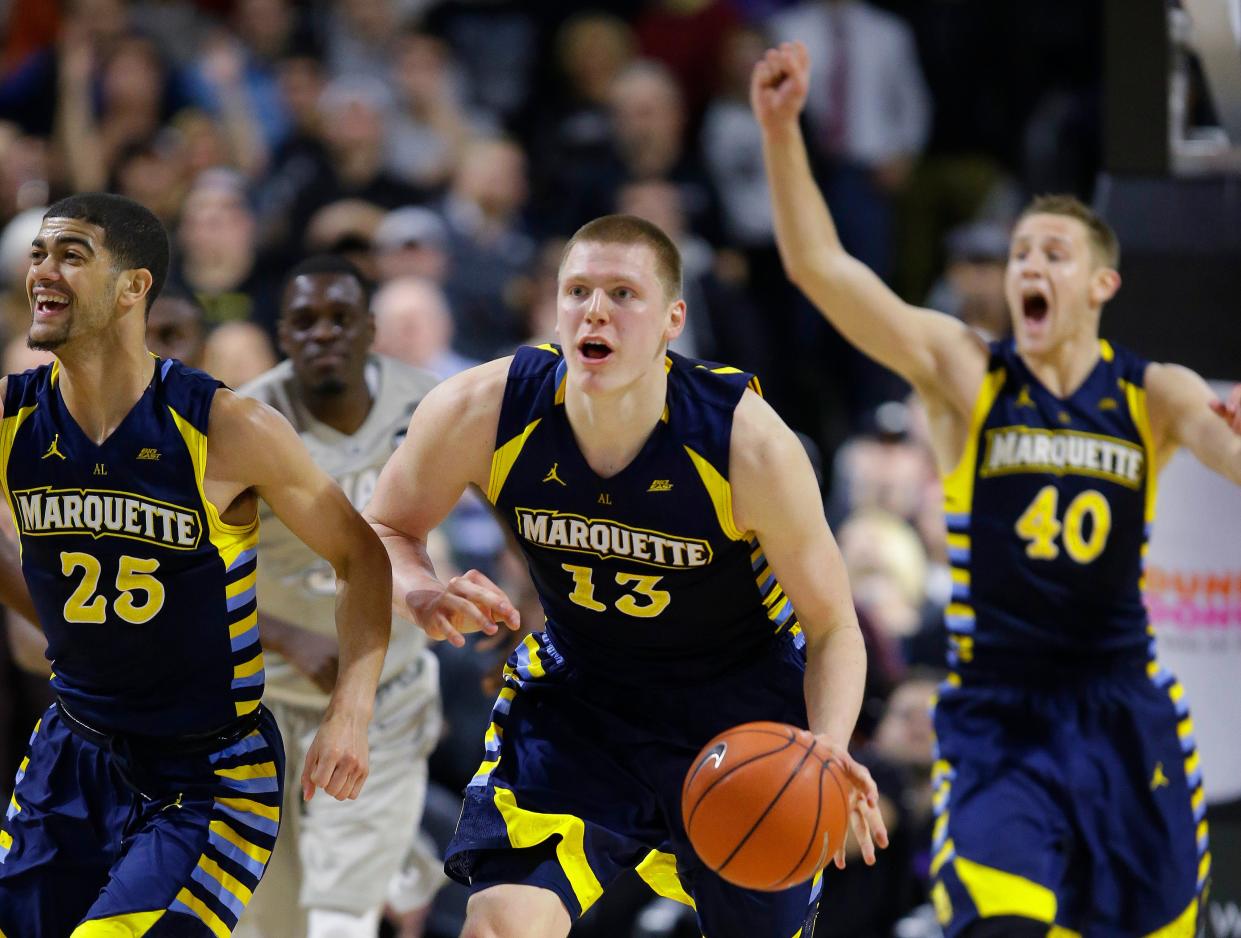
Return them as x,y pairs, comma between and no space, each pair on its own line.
150,798
672,524
1069,795
333,862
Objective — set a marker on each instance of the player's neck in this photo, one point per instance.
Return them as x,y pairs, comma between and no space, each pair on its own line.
611,429
1063,369
100,384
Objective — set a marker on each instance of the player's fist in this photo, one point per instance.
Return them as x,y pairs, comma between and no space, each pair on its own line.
338,760
779,84
1230,410
467,603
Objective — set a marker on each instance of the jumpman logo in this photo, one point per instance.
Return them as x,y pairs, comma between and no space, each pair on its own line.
552,476
1023,397
1159,780
54,449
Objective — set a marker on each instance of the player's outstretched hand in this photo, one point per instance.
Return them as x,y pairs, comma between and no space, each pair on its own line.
467,603
338,760
1230,410
864,816
779,84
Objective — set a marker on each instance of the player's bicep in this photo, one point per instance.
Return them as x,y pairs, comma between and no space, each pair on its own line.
1179,401
776,496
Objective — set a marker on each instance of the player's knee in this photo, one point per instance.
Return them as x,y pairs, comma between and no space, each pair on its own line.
330,923
1006,926
515,912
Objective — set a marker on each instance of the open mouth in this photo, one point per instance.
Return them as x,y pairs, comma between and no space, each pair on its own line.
48,304
594,349
1034,307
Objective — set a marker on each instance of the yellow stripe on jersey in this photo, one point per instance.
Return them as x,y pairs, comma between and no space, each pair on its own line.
503,459
1136,398
721,493
129,925
229,539
209,918
1106,352
8,433
1185,926
959,483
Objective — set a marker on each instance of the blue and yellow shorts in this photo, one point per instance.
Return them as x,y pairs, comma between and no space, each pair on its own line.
581,780
102,840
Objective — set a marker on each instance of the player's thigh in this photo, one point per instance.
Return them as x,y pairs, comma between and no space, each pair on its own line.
275,906
515,911
1149,837
1003,839
728,911
60,834
193,859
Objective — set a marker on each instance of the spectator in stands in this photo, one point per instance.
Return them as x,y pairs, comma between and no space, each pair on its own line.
491,247
412,241
414,324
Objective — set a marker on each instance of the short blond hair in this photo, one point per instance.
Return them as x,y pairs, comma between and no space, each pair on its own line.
630,229
1102,237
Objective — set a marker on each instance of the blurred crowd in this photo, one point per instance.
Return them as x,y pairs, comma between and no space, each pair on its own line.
450,148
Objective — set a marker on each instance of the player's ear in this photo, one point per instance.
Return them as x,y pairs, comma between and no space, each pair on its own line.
676,320
1104,283
132,286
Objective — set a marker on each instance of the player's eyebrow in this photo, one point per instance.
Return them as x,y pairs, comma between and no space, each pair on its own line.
65,240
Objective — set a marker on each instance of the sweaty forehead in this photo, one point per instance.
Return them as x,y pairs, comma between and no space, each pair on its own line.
608,259
1041,226
52,230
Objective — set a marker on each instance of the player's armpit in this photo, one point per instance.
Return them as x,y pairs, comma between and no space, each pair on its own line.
1184,411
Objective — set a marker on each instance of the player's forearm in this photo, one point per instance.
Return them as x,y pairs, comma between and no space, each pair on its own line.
835,678
28,646
363,623
805,232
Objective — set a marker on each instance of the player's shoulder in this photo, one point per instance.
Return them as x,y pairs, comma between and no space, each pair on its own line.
21,389
711,383
1128,365
468,397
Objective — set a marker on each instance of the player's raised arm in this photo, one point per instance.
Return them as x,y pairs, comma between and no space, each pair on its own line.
934,352
1185,412
265,453
449,446
776,497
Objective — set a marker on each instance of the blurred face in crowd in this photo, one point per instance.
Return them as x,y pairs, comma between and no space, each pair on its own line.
905,734
614,315
421,68
301,85
264,25
72,282
175,330
647,115
326,330
215,221
353,122
1055,283
493,176
658,202
412,321
133,77
593,48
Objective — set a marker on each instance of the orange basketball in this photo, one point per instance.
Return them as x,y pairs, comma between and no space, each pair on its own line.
764,806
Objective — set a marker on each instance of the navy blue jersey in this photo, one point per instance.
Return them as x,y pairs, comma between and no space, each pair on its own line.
146,596
645,574
1048,515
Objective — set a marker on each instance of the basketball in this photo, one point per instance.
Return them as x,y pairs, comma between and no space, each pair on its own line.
764,806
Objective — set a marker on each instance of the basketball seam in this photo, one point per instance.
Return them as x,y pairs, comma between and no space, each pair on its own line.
766,811
703,794
818,813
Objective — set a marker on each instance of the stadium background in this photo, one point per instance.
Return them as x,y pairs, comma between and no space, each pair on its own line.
460,142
